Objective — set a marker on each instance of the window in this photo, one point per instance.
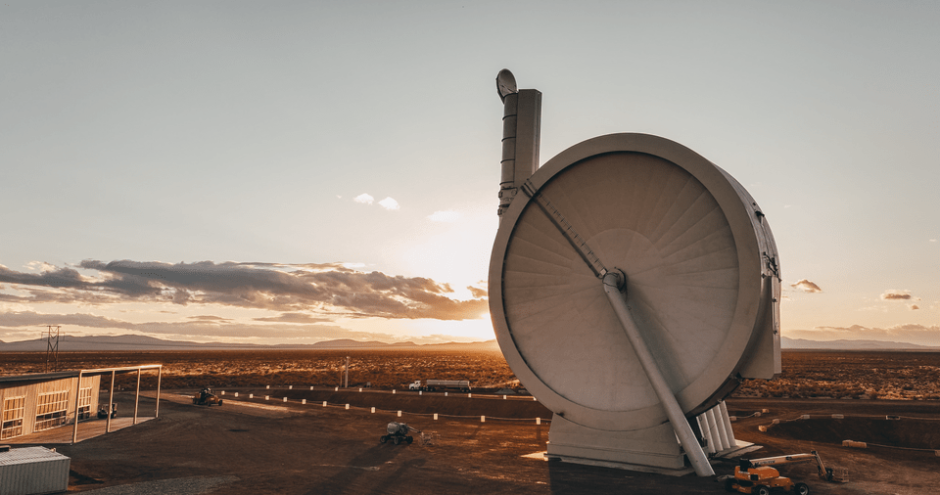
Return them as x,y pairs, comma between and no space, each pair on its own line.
84,403
52,410
12,417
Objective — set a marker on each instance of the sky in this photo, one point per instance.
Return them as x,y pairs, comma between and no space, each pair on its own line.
291,172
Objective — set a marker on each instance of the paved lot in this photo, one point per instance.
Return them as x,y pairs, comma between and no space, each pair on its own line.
296,449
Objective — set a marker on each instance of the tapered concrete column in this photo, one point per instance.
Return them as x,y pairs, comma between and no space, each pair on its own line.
714,430
729,432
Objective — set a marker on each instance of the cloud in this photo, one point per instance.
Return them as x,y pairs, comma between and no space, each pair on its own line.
188,329
806,286
11,324
896,295
911,333
476,292
208,318
448,216
294,318
328,289
364,199
389,204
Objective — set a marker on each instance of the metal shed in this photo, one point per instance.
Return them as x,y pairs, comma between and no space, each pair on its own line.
33,471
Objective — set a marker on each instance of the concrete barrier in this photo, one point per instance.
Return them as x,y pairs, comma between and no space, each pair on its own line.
251,396
285,399
311,387
347,407
267,397
223,392
267,386
303,401
373,410
538,421
483,419
838,416
399,414
290,387
805,416
857,445
435,416
236,394
324,403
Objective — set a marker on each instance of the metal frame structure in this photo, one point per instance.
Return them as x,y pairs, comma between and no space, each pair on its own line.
113,372
52,347
40,378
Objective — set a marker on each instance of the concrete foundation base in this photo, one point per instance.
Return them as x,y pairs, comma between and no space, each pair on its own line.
651,450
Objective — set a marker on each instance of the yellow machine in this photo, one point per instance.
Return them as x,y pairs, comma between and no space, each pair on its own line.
757,477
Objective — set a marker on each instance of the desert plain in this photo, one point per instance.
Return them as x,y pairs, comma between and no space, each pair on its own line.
265,444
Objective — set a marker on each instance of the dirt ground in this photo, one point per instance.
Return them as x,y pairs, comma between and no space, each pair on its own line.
273,447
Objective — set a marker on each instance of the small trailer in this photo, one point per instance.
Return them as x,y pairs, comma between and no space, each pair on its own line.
434,385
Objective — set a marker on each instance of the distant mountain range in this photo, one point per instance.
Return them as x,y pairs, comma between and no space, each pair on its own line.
852,345
142,343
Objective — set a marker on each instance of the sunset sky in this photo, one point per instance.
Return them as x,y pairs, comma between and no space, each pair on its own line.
290,172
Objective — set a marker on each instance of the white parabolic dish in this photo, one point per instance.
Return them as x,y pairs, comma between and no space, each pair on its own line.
698,257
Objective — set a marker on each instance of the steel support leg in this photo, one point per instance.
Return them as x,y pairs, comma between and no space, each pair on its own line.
612,283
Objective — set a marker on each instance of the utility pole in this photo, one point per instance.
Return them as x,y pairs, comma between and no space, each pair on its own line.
52,348
347,373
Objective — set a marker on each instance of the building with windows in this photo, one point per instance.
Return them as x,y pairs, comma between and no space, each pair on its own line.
37,402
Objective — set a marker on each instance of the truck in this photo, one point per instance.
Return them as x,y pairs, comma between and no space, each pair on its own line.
433,385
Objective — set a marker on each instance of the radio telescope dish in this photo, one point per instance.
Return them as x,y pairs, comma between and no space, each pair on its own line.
505,84
696,266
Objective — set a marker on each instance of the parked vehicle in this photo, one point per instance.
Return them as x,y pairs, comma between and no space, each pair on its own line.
434,385
103,411
755,476
206,398
398,433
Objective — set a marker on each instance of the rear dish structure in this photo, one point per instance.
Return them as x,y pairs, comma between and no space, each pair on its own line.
702,286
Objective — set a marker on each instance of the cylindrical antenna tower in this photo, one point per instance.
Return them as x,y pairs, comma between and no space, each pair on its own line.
522,114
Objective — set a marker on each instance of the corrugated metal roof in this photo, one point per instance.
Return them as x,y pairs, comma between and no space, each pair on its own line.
29,455
44,377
